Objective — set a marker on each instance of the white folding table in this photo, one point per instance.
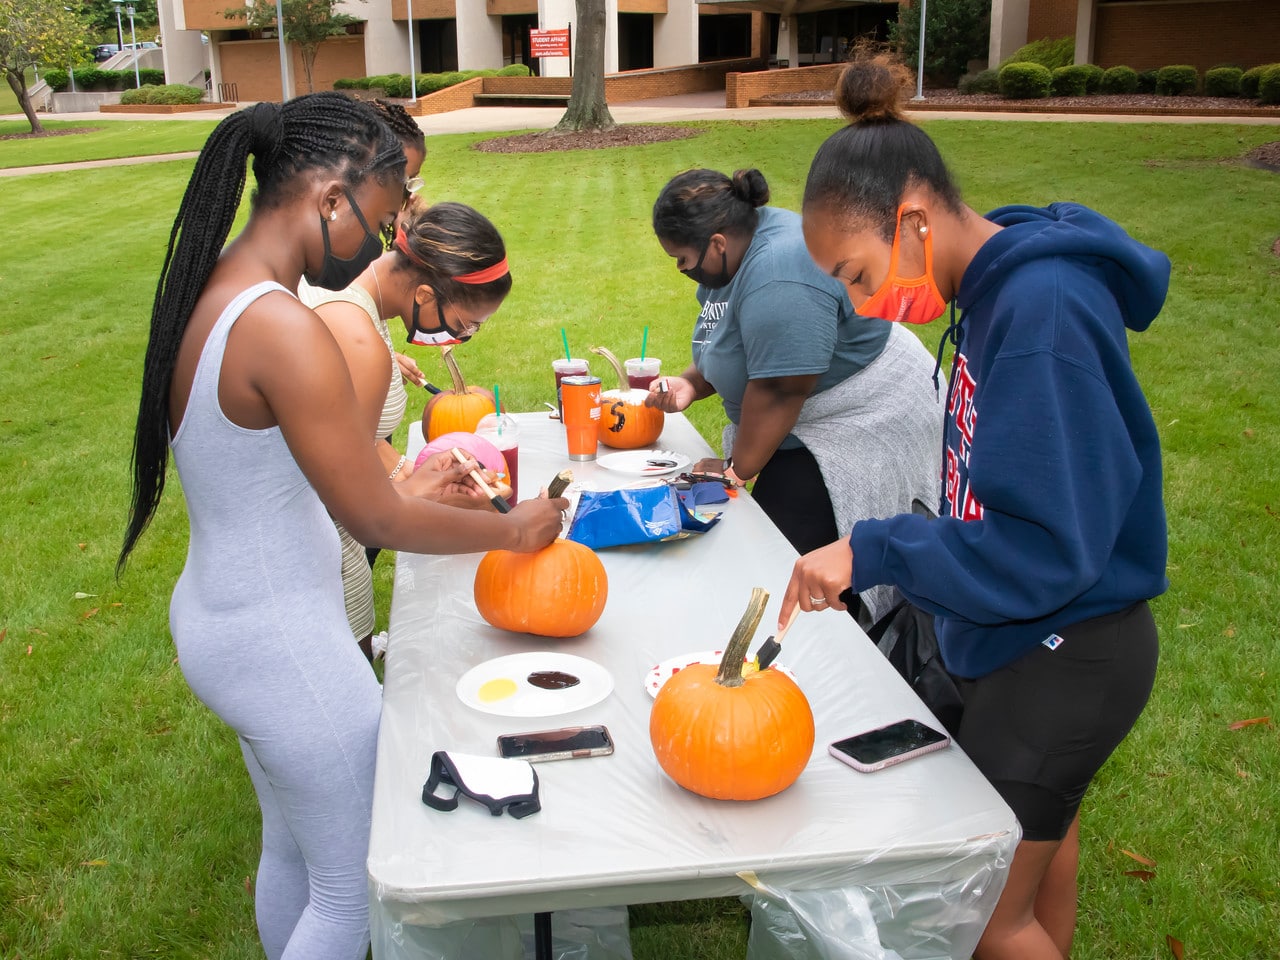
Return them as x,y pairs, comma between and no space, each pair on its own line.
924,846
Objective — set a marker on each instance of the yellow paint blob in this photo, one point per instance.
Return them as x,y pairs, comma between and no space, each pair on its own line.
497,689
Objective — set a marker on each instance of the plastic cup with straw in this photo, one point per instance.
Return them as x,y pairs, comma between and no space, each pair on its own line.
568,367
501,430
642,371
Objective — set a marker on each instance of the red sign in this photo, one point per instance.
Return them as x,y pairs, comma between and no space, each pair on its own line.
549,43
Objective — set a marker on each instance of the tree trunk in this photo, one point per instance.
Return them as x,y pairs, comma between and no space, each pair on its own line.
18,83
587,110
309,51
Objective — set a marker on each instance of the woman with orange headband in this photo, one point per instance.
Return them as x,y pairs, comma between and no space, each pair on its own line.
445,274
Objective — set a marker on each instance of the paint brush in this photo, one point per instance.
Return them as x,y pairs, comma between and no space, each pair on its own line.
495,498
770,649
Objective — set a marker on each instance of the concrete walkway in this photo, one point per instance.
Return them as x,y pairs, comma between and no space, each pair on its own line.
686,107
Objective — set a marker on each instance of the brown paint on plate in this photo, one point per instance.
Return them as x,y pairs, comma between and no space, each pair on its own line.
552,679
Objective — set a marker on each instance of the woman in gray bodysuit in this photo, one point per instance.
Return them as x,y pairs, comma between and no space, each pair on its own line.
249,389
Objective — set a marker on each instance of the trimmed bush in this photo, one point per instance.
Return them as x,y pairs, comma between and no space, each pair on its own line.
1249,80
1119,80
1172,81
1269,85
1222,82
1093,76
515,70
56,79
172,93
1070,81
397,85
987,81
1025,81
1147,81
1050,54
151,76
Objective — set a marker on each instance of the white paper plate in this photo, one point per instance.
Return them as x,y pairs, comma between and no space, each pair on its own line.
635,463
667,669
501,686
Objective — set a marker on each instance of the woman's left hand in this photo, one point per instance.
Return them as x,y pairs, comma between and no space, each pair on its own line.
440,475
818,578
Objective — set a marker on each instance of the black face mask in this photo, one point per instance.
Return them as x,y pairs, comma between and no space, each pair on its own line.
439,336
698,275
337,273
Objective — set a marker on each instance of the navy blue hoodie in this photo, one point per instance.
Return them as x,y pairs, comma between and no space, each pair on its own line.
1052,511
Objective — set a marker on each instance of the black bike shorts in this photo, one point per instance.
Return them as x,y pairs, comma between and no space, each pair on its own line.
1040,728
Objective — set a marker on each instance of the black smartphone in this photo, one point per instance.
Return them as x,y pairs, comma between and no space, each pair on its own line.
885,746
563,744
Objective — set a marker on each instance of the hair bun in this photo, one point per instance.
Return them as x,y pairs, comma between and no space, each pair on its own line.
750,186
266,131
870,90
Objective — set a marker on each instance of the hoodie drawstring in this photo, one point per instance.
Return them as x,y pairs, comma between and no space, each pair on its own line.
954,333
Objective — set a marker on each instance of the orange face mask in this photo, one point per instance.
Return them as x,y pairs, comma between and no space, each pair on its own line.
906,301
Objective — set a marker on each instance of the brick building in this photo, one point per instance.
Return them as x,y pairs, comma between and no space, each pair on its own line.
1144,34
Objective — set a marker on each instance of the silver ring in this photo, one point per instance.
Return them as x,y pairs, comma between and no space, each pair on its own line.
813,600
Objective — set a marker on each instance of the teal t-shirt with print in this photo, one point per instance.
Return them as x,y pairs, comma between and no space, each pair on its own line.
780,316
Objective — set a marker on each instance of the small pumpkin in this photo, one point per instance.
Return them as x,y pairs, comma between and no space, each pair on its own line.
722,735
559,591
457,410
625,422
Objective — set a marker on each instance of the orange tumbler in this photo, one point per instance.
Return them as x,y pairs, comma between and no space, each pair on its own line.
581,396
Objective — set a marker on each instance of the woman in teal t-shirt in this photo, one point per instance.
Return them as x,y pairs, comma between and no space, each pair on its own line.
834,416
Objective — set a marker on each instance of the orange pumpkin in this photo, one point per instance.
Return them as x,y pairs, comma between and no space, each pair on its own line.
625,422
457,410
559,591
727,736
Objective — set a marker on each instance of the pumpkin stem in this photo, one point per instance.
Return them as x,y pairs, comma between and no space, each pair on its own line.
617,365
730,674
459,385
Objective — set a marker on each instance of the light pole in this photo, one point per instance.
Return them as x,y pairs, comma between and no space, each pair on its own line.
920,55
284,57
119,29
413,71
71,67
133,41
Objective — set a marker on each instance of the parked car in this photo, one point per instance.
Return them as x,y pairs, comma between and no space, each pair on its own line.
105,51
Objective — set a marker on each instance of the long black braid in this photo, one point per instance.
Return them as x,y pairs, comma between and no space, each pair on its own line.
401,123
320,131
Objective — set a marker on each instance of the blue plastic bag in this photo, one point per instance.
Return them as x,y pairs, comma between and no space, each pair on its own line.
614,518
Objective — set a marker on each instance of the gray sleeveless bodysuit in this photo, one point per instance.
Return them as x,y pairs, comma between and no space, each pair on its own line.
262,637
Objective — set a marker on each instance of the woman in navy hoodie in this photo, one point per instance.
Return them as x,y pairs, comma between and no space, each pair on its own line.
1051,535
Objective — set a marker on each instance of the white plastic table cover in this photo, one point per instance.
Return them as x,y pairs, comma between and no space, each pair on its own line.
913,856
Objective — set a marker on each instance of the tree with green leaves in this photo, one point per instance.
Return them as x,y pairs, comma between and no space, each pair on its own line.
956,31
587,111
308,23
34,32
100,16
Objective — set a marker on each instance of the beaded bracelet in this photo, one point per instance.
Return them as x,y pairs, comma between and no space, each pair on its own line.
399,465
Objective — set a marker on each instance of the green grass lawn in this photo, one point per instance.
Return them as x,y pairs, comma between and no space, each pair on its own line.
110,139
128,827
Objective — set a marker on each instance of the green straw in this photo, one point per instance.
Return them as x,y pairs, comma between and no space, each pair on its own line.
497,408
565,341
644,342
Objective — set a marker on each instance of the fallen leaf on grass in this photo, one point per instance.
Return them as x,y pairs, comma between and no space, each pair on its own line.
248,885
50,356
1143,875
93,863
78,595
1145,861
1241,724
1175,946
1229,632
28,649
89,613
4,633
82,545
36,630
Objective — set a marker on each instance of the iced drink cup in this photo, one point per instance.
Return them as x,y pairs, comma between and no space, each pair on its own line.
567,368
641,373
503,433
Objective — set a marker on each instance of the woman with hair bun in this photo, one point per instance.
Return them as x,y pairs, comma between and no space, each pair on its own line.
447,262
250,391
833,414
1051,537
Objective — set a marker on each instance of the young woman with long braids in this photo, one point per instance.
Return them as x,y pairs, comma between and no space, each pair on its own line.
448,261
249,389
1051,538
834,414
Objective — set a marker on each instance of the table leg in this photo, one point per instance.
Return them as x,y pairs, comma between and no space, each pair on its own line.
542,936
